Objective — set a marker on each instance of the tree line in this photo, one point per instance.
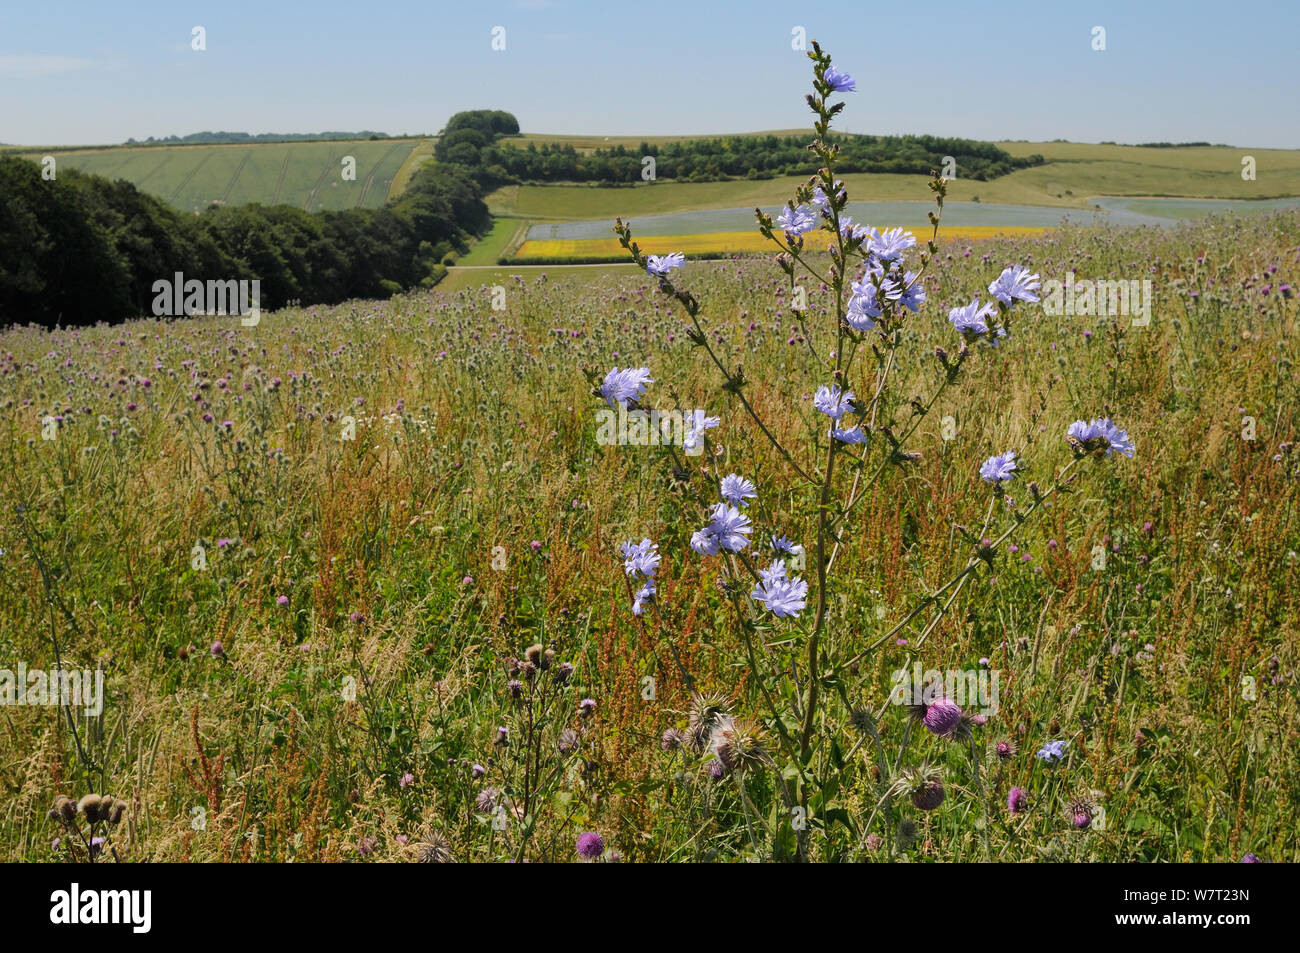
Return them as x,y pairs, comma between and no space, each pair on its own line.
78,248
495,162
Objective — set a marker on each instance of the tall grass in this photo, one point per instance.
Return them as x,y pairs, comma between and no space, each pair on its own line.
412,584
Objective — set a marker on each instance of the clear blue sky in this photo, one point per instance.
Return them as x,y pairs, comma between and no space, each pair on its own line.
94,72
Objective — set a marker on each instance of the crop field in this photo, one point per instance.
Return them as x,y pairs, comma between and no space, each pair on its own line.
722,243
318,648
1073,176
307,175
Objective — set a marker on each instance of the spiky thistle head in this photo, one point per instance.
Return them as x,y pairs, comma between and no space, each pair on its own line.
923,784
861,719
738,744
906,833
1081,812
706,709
435,850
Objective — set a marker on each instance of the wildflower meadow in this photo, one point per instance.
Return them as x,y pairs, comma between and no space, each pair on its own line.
856,549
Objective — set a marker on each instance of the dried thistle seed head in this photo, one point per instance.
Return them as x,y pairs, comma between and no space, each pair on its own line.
738,744
66,808
436,850
534,653
119,810
547,658
568,742
89,805
706,709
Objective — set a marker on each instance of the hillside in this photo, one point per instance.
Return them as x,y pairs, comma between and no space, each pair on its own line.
306,174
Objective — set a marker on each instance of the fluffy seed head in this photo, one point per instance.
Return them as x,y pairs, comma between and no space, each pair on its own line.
89,805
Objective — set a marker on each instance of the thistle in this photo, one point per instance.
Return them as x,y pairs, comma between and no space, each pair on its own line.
923,784
738,744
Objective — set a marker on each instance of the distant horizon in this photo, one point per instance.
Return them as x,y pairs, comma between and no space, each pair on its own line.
83,73
648,136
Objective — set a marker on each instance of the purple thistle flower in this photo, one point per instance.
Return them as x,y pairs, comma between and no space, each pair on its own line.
942,717
590,845
1016,801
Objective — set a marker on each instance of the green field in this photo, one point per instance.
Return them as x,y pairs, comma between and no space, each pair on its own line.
505,232
1074,173
307,175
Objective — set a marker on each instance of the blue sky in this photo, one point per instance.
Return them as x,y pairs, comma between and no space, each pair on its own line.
85,72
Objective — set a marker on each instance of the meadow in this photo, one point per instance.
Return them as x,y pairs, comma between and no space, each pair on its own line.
319,648
306,175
